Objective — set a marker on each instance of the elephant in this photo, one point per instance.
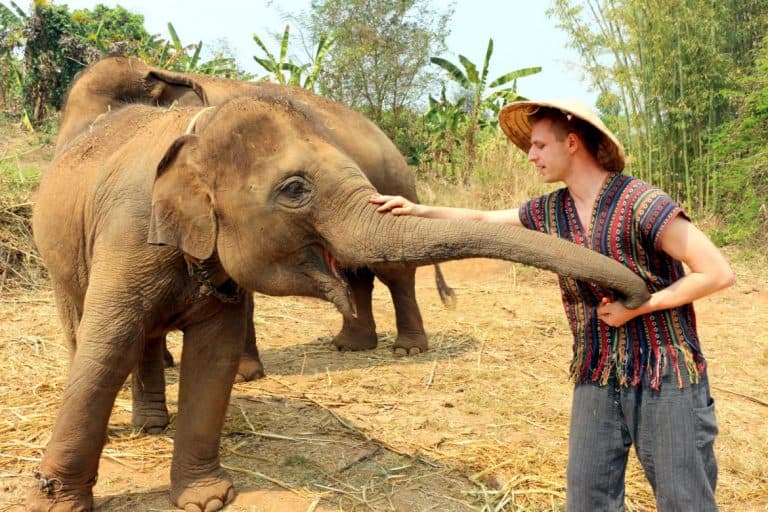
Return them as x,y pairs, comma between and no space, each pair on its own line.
117,80
157,219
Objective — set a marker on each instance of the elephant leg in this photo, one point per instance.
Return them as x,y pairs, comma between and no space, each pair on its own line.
250,367
411,338
359,333
109,346
150,413
209,358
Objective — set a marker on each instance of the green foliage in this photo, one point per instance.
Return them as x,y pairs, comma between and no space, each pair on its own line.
378,62
666,74
110,29
59,44
187,58
19,264
12,38
41,53
479,105
17,180
740,154
284,71
482,103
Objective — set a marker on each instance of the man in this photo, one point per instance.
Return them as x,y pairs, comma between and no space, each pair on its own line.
640,375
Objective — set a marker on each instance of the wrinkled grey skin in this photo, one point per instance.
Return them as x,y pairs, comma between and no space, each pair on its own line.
262,197
115,81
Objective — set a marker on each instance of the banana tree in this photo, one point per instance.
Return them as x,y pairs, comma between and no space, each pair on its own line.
443,122
12,39
475,86
284,71
176,56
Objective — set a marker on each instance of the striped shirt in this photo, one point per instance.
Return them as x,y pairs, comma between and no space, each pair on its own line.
628,219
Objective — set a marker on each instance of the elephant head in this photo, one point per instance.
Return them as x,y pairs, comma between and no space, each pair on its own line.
264,186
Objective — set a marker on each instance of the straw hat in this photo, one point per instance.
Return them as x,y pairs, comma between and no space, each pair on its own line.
513,119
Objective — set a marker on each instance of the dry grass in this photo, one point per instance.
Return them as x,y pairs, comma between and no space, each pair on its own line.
477,423
501,179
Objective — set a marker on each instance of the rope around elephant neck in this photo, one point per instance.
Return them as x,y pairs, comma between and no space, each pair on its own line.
201,271
193,122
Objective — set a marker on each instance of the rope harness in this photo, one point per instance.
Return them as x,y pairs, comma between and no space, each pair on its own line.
51,486
201,271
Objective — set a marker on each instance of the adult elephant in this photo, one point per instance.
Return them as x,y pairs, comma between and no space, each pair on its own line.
154,220
116,81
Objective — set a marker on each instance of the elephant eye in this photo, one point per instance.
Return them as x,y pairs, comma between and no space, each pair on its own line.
294,192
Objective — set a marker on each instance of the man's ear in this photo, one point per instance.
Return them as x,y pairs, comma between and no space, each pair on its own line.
182,202
572,142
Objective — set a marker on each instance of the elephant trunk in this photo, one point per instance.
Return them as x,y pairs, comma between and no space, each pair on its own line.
387,238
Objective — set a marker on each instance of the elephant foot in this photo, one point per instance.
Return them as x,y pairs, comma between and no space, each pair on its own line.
250,368
51,495
410,345
204,494
355,339
150,418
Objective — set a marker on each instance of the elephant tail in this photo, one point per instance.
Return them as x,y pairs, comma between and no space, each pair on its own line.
447,295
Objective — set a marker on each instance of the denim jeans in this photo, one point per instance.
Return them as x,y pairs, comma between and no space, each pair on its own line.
673,431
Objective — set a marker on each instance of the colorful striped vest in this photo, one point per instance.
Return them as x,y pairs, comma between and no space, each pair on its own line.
627,221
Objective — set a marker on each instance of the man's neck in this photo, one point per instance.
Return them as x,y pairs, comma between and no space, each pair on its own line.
585,182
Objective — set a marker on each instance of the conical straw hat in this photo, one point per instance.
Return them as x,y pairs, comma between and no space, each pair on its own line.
514,120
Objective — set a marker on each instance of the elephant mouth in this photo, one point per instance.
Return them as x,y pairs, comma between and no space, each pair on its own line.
331,263
334,286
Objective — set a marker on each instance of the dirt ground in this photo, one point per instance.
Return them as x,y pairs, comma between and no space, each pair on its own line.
477,423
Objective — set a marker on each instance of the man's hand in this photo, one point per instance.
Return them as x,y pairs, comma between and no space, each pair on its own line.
614,313
398,205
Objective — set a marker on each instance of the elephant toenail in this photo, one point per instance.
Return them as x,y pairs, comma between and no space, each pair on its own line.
230,495
214,505
400,352
192,507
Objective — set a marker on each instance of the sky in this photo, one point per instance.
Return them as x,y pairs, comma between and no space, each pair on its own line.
523,35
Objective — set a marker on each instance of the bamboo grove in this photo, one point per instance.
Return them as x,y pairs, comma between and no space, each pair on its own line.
673,77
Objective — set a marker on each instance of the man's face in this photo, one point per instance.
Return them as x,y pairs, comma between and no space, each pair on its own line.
549,154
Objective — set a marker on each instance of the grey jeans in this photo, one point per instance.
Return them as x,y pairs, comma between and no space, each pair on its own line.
673,431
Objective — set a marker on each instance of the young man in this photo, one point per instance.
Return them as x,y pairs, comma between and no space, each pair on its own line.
640,375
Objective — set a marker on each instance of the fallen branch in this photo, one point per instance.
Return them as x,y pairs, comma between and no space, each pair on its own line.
742,395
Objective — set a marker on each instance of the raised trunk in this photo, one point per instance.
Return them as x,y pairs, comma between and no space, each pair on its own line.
405,239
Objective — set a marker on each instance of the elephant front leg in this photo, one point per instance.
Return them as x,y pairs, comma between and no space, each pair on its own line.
208,365
150,413
105,355
411,338
359,333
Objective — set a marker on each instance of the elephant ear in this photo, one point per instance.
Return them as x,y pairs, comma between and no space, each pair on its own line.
183,215
168,86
